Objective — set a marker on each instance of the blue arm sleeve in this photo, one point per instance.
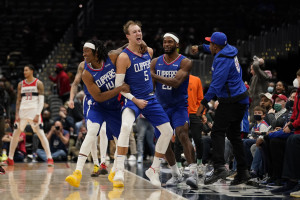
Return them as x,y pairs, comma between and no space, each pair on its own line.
219,78
206,48
279,134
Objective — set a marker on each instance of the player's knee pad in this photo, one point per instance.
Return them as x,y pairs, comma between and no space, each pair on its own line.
163,141
103,131
92,128
123,140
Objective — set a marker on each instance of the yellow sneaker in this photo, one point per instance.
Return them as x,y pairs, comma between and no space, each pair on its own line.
115,193
4,157
118,180
73,196
111,176
96,171
74,179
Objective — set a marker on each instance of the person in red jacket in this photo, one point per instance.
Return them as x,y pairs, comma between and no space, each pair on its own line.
291,164
63,82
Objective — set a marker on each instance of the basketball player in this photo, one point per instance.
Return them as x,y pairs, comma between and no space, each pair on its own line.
29,105
103,138
134,68
170,74
103,104
96,172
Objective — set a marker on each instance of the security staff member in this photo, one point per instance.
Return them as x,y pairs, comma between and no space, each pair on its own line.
228,86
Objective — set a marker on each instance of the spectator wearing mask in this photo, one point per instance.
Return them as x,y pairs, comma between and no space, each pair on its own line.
271,87
58,140
63,82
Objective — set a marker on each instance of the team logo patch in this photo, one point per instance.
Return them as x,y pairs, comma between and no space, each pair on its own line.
237,64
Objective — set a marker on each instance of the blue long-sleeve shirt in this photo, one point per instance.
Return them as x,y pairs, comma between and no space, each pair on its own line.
226,70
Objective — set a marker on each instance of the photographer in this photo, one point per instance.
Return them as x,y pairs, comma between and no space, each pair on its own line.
74,150
58,140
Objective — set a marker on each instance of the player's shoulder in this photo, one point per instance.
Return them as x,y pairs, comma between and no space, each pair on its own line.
81,65
150,51
154,60
123,56
186,61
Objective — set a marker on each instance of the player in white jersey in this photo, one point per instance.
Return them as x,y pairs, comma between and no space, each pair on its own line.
29,105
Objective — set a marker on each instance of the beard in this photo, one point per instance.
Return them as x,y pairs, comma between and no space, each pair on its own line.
172,50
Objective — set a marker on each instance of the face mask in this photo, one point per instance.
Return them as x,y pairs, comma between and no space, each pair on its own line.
277,107
289,105
296,83
270,89
257,117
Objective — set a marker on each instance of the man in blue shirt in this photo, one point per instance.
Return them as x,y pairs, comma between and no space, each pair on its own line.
228,86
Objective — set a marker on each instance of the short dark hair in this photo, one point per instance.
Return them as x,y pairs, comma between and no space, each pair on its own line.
100,49
130,22
259,108
30,66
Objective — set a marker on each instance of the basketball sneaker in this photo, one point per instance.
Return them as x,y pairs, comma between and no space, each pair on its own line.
153,175
50,162
111,176
192,181
96,171
74,179
103,169
118,180
2,171
4,157
9,162
295,194
175,180
115,193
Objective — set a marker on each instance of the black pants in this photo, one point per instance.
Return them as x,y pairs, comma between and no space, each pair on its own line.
227,120
277,148
291,158
196,127
2,132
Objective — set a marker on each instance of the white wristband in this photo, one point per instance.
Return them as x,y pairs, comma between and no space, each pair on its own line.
127,95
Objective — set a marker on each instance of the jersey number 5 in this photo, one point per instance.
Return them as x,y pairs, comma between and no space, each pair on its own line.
146,76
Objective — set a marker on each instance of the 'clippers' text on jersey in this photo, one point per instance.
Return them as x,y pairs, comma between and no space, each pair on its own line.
167,95
138,75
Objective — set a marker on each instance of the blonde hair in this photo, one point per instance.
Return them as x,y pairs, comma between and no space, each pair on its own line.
130,22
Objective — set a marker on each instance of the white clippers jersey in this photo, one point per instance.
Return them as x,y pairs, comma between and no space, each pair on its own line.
29,95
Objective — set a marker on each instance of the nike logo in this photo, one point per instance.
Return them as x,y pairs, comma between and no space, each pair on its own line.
107,65
134,58
160,64
95,74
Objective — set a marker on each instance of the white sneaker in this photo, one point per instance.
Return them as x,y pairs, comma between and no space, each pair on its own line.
140,159
153,175
175,180
118,180
132,158
192,181
200,169
119,176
